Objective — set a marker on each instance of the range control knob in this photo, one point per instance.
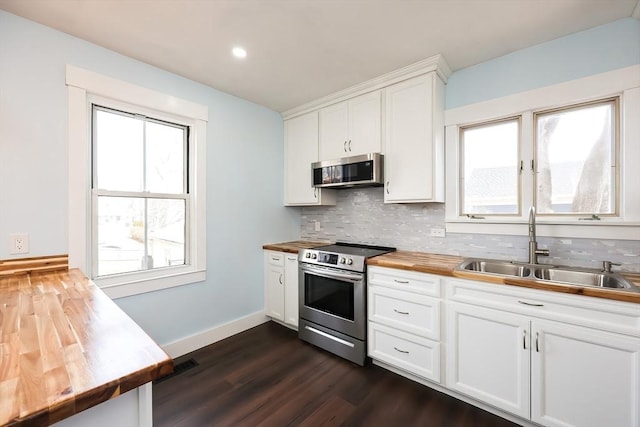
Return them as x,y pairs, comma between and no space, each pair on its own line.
349,261
342,260
307,255
314,256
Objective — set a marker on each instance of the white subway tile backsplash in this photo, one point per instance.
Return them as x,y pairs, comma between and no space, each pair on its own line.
361,216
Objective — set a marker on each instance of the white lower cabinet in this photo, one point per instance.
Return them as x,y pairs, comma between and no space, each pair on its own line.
291,289
582,377
488,356
516,357
281,287
404,321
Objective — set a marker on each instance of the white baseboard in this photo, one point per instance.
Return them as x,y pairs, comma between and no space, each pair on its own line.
202,339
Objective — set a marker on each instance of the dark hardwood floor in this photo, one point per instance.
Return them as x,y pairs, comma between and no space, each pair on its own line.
266,376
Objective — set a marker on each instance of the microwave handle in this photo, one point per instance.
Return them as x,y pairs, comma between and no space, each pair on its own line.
333,274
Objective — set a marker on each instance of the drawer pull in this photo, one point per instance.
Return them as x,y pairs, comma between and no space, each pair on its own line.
400,312
275,259
530,304
537,344
404,282
524,339
400,351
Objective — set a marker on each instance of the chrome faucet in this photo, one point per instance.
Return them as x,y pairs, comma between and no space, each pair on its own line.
534,252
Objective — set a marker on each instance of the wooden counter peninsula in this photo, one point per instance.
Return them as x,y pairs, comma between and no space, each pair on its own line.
66,347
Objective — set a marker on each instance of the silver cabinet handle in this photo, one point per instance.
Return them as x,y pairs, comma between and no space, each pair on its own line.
344,146
292,259
537,343
315,193
400,351
275,259
400,312
349,145
524,339
530,304
387,187
404,282
280,279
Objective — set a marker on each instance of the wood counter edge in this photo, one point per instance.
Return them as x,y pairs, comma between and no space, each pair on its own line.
294,246
87,399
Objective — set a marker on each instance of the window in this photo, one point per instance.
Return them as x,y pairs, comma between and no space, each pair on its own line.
489,170
137,185
568,149
576,159
139,192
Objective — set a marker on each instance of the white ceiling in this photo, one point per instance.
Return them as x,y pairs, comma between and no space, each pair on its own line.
301,50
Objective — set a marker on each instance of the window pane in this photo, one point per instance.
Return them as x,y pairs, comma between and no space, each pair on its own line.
575,152
120,235
118,151
165,158
166,241
490,168
136,234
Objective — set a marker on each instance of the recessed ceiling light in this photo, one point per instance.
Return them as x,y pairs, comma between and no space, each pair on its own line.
239,52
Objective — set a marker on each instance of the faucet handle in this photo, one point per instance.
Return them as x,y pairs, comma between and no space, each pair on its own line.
606,266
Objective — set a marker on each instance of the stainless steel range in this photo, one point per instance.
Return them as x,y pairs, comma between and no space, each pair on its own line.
333,297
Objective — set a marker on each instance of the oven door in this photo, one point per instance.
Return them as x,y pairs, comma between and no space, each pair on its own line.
333,298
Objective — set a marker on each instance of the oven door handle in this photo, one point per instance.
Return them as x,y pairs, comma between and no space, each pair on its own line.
333,274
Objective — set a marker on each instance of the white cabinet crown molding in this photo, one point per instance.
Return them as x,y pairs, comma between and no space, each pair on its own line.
435,63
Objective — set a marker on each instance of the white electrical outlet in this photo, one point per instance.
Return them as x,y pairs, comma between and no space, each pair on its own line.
317,225
19,243
437,232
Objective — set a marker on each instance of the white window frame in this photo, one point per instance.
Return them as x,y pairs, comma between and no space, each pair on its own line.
85,88
624,83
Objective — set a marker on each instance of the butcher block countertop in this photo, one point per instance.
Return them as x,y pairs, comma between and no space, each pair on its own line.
293,247
445,265
65,346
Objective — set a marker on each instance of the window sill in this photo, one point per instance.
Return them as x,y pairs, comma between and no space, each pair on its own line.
570,229
124,286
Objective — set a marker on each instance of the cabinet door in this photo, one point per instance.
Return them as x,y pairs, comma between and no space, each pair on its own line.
364,124
584,377
274,284
488,356
334,131
414,143
300,150
291,290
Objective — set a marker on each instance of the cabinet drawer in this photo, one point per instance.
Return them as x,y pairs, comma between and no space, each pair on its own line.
420,283
417,314
275,258
416,355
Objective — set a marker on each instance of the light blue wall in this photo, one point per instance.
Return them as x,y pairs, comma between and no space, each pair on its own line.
244,167
597,50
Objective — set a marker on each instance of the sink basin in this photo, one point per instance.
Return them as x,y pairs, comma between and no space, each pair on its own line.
583,278
566,275
503,268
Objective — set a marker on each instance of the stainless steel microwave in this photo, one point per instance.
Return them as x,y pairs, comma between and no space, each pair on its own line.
365,170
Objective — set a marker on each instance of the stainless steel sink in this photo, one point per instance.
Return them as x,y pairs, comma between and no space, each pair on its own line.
563,275
584,278
502,268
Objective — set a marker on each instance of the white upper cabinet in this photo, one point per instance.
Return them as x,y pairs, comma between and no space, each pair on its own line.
414,143
300,150
350,128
